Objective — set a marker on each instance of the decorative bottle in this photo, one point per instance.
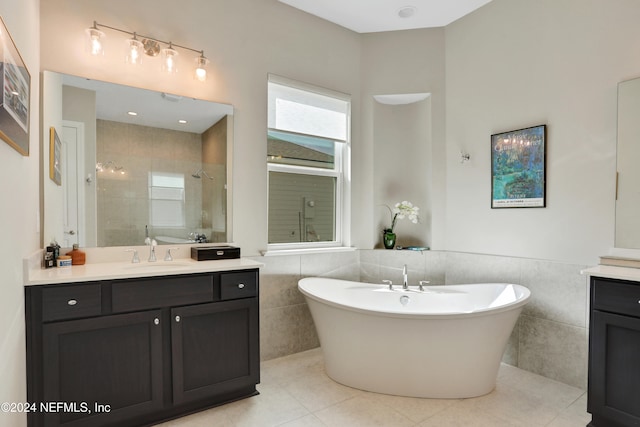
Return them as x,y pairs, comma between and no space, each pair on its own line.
78,257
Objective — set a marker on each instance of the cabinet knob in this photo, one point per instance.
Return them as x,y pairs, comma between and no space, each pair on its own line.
178,319
241,285
156,321
72,302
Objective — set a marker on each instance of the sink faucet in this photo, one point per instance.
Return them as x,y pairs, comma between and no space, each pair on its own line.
405,279
135,258
152,249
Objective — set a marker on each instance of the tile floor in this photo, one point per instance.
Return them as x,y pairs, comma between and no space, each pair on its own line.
295,392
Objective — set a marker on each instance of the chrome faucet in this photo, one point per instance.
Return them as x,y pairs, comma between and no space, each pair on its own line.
405,278
135,258
152,249
168,256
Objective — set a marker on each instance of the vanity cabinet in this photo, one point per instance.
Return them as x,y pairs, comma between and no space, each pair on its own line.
134,352
614,353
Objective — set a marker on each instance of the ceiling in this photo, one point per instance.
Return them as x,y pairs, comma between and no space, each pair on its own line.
153,109
371,16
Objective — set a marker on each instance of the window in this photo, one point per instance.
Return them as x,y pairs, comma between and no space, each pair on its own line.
307,161
166,199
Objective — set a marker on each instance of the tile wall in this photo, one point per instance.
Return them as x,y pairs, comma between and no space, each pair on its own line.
550,339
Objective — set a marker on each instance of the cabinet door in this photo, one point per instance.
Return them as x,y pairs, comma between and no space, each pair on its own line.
113,361
614,372
215,349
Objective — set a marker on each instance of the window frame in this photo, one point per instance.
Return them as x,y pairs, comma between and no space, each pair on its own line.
341,171
181,202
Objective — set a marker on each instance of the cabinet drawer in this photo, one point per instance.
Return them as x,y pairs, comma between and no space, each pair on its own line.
155,292
616,297
242,284
68,302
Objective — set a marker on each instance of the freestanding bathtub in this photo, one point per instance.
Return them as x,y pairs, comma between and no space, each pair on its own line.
444,342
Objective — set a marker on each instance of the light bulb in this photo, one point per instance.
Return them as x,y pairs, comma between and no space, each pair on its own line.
169,60
134,51
201,68
95,41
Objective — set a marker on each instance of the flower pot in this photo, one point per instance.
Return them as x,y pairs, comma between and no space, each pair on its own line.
389,239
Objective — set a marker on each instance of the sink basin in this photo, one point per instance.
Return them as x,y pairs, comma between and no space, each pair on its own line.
157,265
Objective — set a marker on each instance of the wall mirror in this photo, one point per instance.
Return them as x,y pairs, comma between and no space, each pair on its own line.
628,156
135,163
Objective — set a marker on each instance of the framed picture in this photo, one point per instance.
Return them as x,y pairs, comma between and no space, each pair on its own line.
518,168
55,154
15,95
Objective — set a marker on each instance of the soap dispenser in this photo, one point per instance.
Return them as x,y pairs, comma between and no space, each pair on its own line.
78,257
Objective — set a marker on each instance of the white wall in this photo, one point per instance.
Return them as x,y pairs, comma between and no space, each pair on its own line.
245,40
19,214
518,63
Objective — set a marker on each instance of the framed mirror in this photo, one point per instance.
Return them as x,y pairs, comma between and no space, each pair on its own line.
134,164
628,173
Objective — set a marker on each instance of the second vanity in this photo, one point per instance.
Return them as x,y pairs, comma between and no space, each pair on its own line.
113,344
614,346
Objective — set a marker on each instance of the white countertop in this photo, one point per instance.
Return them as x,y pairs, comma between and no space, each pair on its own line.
614,272
124,270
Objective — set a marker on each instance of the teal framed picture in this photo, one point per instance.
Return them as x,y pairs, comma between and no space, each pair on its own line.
518,168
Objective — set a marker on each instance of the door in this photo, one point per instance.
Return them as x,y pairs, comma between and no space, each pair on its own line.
614,372
105,369
215,349
72,182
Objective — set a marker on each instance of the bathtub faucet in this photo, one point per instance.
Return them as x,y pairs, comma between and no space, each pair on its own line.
405,279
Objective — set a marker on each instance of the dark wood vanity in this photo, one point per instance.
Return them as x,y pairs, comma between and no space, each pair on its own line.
136,351
614,353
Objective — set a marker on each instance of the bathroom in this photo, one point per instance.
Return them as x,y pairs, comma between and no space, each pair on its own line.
508,65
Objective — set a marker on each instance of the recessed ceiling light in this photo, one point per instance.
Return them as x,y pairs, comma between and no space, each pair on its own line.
132,113
407,11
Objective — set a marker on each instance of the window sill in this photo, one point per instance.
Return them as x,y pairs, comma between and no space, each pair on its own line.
307,251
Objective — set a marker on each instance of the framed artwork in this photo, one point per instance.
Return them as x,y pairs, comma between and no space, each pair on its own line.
55,154
518,168
15,95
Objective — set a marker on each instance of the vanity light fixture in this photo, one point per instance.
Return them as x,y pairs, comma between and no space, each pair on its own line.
149,46
109,166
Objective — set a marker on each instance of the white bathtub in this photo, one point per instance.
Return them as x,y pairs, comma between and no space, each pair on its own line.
445,342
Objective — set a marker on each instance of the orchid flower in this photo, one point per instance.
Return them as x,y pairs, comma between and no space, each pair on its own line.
401,210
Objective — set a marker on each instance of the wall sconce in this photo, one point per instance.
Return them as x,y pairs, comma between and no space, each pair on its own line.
109,166
149,46
464,157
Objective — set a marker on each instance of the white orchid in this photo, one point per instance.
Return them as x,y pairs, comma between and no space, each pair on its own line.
402,210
